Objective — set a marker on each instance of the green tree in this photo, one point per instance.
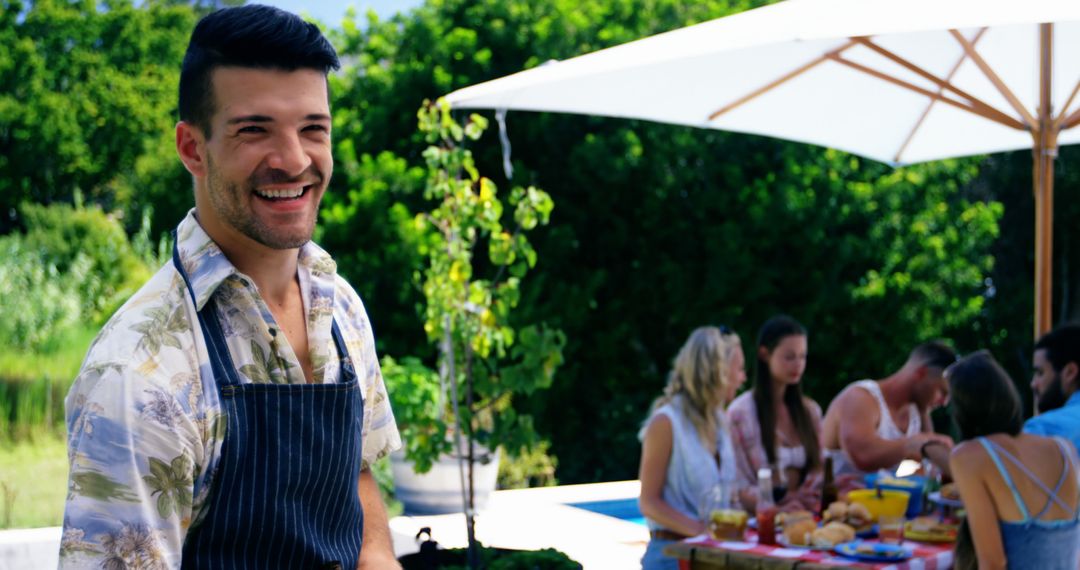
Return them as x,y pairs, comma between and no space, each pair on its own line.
86,92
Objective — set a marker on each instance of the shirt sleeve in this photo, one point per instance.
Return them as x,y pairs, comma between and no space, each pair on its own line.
1034,427
744,433
380,433
133,452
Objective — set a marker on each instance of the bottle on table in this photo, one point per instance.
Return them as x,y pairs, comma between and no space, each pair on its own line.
933,484
829,492
766,508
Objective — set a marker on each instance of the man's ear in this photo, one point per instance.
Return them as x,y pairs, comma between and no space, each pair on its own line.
1069,377
191,147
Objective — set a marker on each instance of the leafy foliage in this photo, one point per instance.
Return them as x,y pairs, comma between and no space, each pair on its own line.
484,361
105,266
534,467
87,93
34,305
416,397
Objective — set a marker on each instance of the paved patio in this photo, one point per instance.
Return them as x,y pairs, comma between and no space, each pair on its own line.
532,519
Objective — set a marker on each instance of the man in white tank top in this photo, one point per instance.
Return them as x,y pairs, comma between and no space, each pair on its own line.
875,425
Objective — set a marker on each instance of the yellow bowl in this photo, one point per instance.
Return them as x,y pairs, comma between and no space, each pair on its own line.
890,503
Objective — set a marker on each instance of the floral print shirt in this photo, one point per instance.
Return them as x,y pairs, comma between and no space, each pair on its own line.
145,427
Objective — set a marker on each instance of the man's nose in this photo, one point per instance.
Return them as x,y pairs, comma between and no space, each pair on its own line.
289,155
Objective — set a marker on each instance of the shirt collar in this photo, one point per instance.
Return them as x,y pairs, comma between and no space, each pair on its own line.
1073,400
207,267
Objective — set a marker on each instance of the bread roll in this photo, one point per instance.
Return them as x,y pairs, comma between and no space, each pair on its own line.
797,533
783,519
858,515
837,511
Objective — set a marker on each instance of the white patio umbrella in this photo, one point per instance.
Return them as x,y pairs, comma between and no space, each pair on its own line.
898,81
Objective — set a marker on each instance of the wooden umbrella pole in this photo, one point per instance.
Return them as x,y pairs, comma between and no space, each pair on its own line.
1045,151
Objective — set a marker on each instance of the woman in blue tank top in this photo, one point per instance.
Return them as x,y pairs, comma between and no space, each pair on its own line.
1021,491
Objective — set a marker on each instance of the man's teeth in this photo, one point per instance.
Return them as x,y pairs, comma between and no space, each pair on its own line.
286,193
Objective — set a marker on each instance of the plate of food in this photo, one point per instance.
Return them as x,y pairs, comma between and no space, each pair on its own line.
930,529
948,496
873,551
868,531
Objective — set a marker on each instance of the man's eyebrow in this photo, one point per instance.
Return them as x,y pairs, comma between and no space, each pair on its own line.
250,119
268,119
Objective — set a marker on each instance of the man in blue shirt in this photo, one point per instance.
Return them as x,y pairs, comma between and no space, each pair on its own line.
1055,384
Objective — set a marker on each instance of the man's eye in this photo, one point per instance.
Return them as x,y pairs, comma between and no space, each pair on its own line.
317,128
251,129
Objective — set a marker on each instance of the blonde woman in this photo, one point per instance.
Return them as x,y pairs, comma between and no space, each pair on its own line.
686,449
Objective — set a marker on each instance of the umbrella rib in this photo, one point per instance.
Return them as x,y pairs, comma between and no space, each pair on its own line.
1063,117
986,114
780,81
930,105
1070,121
993,77
941,83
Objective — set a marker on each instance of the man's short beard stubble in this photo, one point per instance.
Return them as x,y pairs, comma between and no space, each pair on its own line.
226,199
1053,397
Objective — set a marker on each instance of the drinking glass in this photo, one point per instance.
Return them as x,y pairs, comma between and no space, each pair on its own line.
891,529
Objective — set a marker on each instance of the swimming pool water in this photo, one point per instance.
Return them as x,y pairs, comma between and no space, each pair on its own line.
624,509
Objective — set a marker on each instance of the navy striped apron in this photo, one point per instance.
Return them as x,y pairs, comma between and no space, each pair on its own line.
285,492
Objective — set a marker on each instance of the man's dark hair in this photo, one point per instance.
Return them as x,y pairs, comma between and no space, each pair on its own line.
934,353
984,398
1062,345
253,36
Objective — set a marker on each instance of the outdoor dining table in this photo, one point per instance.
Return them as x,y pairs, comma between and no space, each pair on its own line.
705,553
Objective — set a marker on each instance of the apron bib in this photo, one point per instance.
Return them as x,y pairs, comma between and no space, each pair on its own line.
285,491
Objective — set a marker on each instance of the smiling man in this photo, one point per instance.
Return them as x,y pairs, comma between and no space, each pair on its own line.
1055,384
228,414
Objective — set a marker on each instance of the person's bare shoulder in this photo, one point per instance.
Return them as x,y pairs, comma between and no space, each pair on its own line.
854,400
1037,445
969,456
660,425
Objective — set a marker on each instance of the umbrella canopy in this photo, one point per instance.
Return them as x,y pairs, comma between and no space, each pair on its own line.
898,81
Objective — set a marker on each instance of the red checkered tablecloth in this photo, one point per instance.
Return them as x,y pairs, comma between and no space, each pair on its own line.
927,556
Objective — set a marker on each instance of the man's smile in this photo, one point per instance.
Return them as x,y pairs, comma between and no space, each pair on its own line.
282,194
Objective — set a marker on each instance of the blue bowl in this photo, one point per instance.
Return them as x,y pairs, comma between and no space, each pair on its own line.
913,485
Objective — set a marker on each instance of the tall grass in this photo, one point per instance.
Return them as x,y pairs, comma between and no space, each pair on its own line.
33,385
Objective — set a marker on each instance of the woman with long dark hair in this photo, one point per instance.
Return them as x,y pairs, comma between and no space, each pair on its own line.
774,424
1021,491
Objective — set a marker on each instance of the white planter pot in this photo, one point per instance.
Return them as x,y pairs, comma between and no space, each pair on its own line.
439,491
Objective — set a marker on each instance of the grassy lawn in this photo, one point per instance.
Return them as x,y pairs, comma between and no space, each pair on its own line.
60,363
33,482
